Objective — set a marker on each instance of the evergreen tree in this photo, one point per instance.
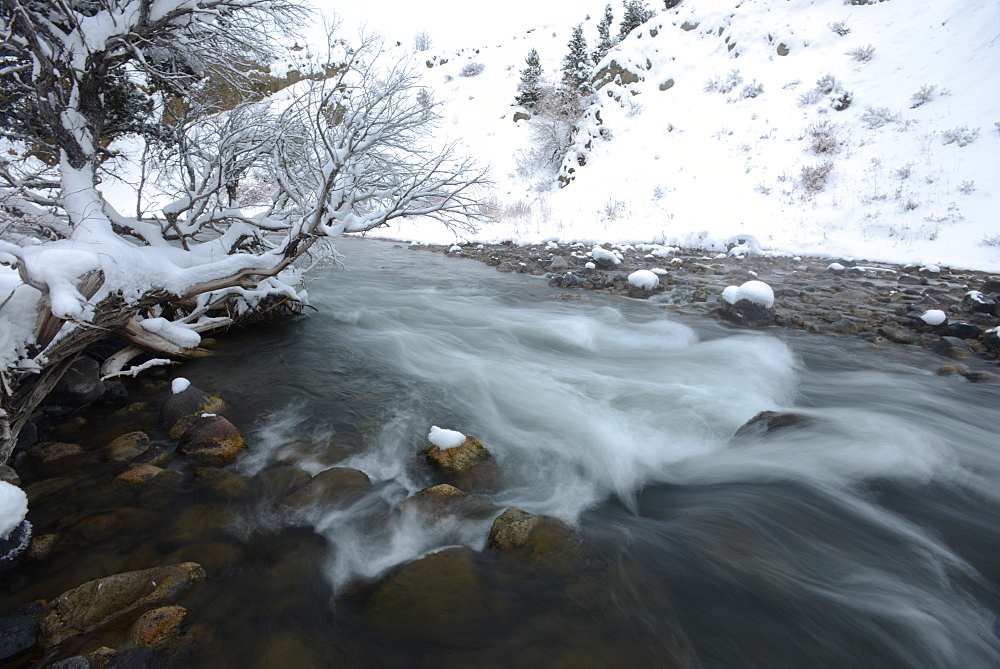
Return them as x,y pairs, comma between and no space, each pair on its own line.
530,87
576,67
636,13
605,41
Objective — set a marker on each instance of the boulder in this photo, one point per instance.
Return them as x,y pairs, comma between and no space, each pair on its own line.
53,457
222,483
748,313
558,264
127,446
156,627
332,486
95,603
182,409
768,422
964,330
212,439
468,466
952,347
80,385
282,480
541,538
17,635
445,499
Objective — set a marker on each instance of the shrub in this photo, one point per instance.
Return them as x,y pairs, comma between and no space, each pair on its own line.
823,138
876,117
718,85
843,101
813,177
810,97
472,70
967,187
752,90
862,54
840,27
962,135
923,96
827,84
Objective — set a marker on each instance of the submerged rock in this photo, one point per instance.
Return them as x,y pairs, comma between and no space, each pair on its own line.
768,422
127,446
17,635
80,385
446,499
332,486
156,627
542,538
95,603
468,466
212,439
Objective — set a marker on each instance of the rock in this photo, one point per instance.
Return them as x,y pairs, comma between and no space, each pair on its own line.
115,392
80,385
541,538
43,547
558,264
156,627
768,422
97,527
282,480
505,266
964,330
127,446
8,475
445,499
183,409
899,336
91,605
441,596
952,347
17,635
748,314
329,487
468,466
154,455
212,439
845,326
974,302
222,483
992,339
139,474
198,522
521,116
14,546
53,457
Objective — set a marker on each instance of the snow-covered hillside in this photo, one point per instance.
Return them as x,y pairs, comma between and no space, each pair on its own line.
732,125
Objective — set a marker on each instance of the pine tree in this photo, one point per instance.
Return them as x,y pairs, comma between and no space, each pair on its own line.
530,87
576,66
605,41
636,13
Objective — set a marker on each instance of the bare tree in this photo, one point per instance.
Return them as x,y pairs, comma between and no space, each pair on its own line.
350,153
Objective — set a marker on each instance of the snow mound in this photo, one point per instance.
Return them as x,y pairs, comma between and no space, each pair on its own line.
729,294
600,253
934,317
643,279
172,332
179,385
445,439
757,292
13,508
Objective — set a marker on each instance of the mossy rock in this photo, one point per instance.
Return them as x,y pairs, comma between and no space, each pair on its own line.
213,440
333,486
181,410
469,466
444,499
127,446
544,540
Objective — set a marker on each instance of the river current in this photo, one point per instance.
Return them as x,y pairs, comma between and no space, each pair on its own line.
868,536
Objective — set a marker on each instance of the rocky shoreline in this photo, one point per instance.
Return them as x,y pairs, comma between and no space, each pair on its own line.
878,302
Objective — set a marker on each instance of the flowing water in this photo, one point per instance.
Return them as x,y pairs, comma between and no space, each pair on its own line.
866,536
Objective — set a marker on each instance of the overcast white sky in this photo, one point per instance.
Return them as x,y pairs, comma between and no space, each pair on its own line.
461,23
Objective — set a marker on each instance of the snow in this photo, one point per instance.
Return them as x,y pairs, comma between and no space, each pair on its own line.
644,279
729,294
934,317
176,334
757,292
179,385
600,253
13,508
445,439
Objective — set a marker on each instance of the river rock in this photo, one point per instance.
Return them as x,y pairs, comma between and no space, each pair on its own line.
8,475
212,439
53,457
156,627
222,483
139,474
17,635
80,385
282,480
952,347
768,422
44,546
95,603
439,598
127,446
964,330
331,486
443,499
14,546
183,409
540,538
468,466
748,314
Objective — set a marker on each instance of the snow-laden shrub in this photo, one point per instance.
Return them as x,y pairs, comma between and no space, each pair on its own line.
725,86
813,177
751,90
967,187
472,70
823,138
962,135
862,54
922,96
827,84
842,102
839,27
876,117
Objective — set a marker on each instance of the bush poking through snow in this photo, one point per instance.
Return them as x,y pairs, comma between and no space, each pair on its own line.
814,177
862,54
840,27
962,135
725,86
823,139
472,70
923,96
876,117
752,90
827,84
842,102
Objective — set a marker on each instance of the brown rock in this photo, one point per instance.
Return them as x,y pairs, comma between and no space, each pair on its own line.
282,480
51,457
328,487
156,627
8,475
222,483
43,547
97,527
212,439
127,446
468,466
543,538
447,499
181,410
88,606
139,474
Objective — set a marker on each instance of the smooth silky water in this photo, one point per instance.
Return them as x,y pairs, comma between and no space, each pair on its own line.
867,537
